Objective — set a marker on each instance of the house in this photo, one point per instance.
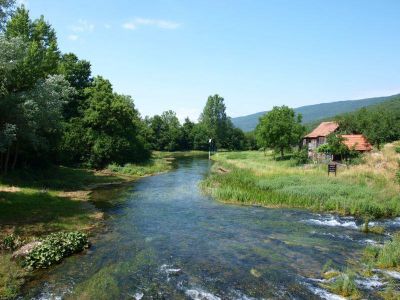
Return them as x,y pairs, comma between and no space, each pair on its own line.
318,136
356,142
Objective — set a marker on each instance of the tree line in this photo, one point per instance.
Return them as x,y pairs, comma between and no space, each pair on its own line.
379,123
53,110
282,130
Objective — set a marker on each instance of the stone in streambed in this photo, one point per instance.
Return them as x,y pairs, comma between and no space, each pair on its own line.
25,250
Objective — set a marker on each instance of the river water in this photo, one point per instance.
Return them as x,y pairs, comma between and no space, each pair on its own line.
164,239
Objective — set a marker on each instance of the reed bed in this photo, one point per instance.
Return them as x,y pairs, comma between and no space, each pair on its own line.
367,190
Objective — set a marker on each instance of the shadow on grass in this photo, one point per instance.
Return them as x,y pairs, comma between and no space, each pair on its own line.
285,157
29,208
56,178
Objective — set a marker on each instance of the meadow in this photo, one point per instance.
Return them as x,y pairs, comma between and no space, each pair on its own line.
369,189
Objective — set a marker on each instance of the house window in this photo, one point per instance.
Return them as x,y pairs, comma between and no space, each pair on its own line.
321,140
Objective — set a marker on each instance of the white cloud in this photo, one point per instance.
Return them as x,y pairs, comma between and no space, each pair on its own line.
129,25
83,26
73,37
138,22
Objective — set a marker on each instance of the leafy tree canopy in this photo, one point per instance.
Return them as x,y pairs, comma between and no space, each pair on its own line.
279,129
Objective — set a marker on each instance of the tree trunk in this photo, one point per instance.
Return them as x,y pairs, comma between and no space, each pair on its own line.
6,162
1,160
15,156
282,154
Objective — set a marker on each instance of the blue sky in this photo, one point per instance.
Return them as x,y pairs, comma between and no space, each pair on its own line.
172,54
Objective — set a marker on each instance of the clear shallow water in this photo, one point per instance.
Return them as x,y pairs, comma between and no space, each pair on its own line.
164,239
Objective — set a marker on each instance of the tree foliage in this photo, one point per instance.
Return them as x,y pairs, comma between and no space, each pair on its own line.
215,121
109,129
279,129
379,124
53,111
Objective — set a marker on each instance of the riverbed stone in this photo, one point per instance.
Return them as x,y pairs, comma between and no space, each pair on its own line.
25,250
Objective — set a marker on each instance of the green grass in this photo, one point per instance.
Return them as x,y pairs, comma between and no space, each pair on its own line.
37,202
255,179
387,257
56,178
12,277
153,166
344,284
159,163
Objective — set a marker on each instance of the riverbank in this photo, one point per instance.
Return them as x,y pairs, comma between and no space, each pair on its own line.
368,190
36,203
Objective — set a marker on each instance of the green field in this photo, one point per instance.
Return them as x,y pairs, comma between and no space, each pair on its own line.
368,190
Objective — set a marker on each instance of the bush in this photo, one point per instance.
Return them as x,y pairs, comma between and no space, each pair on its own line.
397,149
54,248
11,242
300,157
324,148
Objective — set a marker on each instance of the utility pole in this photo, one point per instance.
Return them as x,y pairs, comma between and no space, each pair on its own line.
209,149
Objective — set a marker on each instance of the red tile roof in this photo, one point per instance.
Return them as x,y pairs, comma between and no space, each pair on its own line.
323,129
357,142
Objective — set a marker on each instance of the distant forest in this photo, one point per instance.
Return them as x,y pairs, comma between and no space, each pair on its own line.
316,112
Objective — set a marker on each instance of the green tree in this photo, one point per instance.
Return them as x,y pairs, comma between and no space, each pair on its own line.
200,137
236,139
187,135
36,118
215,121
78,73
166,131
42,54
251,140
6,10
336,146
379,124
109,132
279,129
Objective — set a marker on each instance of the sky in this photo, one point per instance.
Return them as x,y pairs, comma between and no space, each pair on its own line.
173,54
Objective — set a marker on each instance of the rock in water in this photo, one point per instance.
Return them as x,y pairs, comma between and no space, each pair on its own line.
25,250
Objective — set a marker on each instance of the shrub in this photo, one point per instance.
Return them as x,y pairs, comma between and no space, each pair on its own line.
54,248
324,148
397,149
11,242
301,157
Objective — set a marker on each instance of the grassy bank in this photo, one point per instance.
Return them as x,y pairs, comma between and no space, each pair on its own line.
369,189
34,203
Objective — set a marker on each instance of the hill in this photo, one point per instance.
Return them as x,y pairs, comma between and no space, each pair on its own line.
312,113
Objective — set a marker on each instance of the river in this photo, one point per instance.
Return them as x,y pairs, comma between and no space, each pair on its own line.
164,239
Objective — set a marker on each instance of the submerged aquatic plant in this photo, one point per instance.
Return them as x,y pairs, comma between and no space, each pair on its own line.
345,285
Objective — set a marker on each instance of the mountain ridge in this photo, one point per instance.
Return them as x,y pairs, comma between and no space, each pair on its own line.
314,112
